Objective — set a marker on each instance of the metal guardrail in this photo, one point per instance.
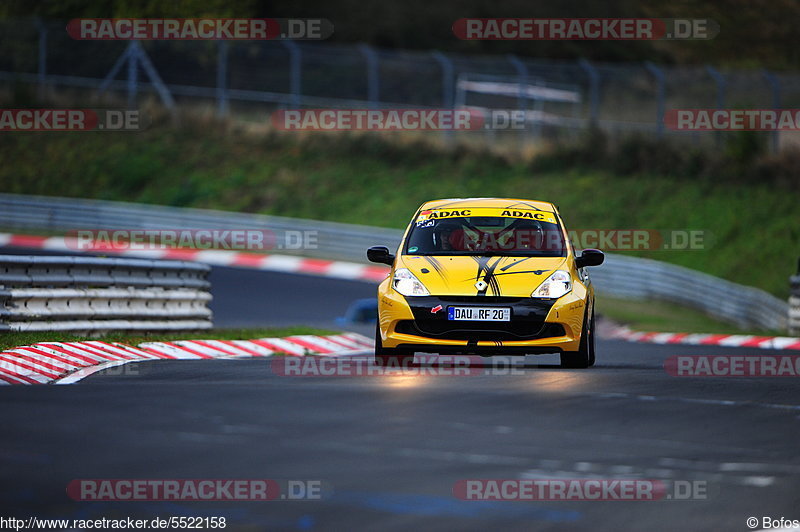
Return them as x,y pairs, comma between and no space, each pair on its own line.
621,276
638,278
88,294
794,305
61,215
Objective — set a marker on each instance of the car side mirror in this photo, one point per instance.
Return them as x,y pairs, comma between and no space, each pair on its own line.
590,257
381,255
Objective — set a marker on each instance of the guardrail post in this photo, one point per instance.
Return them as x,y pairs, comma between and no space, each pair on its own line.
222,78
661,95
522,77
129,50
295,72
722,86
133,74
775,86
794,303
594,90
42,66
373,80
448,95
447,78
134,55
155,79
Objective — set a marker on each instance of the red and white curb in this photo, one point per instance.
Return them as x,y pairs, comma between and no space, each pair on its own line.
724,340
69,362
215,257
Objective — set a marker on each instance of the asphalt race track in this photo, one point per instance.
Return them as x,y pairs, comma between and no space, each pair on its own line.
252,298
390,449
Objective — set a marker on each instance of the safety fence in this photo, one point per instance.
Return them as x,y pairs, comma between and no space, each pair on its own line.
794,305
558,97
621,276
87,294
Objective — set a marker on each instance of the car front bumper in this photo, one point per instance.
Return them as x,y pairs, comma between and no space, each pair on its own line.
536,326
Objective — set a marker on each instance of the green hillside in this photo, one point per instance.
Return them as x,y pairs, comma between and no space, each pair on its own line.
755,234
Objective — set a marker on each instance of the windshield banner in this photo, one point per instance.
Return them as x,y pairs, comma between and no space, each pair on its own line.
436,214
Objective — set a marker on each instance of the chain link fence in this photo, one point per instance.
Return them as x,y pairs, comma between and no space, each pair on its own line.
243,76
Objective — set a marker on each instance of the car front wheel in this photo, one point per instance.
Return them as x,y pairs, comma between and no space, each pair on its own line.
390,357
584,357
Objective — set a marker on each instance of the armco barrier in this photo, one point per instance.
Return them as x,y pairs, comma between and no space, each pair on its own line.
794,306
637,278
60,215
87,294
621,275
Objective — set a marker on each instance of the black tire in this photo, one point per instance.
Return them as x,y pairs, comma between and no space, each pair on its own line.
584,357
391,357
592,333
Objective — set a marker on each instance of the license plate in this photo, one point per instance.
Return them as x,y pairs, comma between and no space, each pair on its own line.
479,313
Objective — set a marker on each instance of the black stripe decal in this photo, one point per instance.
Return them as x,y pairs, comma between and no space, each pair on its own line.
487,270
535,272
507,266
436,265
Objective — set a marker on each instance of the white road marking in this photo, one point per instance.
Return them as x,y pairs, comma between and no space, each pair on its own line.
81,374
758,482
718,402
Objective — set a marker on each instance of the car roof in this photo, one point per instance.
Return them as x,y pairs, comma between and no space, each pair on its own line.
498,203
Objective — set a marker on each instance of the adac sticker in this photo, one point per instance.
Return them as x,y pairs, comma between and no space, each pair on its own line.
437,214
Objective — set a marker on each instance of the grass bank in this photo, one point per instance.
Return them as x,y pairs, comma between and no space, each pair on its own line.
660,316
752,226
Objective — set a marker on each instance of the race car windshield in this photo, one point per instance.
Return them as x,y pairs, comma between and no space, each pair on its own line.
486,235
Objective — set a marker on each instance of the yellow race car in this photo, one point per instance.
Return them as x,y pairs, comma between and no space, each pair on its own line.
486,276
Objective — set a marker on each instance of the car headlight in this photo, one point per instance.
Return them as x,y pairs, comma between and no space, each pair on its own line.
558,284
407,284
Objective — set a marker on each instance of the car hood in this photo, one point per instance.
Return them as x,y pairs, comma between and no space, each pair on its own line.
501,275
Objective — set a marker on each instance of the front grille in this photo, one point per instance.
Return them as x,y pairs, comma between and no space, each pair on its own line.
483,299
477,331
